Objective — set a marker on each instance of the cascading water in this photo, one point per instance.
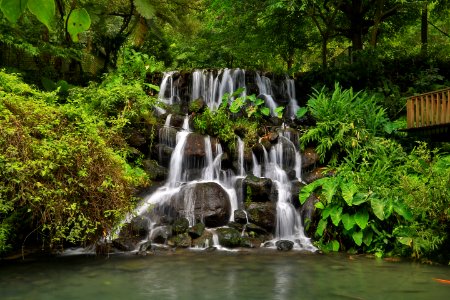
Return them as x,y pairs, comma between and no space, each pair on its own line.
292,107
265,92
179,193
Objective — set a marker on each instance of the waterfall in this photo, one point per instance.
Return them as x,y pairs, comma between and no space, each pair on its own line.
241,157
168,92
292,108
265,92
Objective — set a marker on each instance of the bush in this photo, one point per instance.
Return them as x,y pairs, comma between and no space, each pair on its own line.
61,175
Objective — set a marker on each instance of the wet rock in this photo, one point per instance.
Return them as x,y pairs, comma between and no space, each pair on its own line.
240,216
205,240
177,121
253,229
268,244
135,138
125,244
180,225
138,228
162,153
197,105
309,157
314,175
296,186
307,212
168,136
249,243
181,240
257,189
196,230
236,226
212,204
161,234
195,146
144,247
284,245
229,237
154,170
262,214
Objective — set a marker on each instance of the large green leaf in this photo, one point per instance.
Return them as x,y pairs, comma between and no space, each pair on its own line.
358,237
368,236
306,191
335,214
13,9
348,221
265,111
321,227
403,211
362,218
348,190
334,246
319,205
79,21
405,241
301,112
145,8
360,198
378,207
44,10
329,189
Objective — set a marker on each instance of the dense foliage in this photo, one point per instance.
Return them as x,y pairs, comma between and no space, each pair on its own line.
381,198
63,173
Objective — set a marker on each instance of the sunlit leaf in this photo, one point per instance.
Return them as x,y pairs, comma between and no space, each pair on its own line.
265,111
301,112
79,21
403,211
348,190
335,245
368,237
357,237
362,218
44,10
405,241
378,207
13,9
145,8
319,205
335,215
348,221
321,227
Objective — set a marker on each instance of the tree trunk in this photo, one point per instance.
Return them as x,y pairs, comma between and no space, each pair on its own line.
356,26
377,21
424,30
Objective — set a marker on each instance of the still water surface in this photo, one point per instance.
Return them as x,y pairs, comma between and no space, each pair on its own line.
219,275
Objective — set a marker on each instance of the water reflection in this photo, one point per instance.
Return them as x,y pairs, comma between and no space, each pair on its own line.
221,276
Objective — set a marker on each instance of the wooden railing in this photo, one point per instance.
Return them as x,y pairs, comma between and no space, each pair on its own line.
428,109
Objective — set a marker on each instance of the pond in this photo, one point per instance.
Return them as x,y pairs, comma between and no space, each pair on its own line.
221,275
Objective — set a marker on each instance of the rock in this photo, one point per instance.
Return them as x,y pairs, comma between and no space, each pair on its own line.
268,244
212,203
240,216
284,245
236,226
138,228
168,136
255,229
309,157
249,243
262,214
181,240
162,153
196,230
146,246
257,189
195,146
307,212
161,234
154,170
197,105
314,175
135,138
177,121
229,237
180,225
125,244
205,240
296,186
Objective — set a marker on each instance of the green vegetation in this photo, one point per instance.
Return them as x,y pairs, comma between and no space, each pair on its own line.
381,199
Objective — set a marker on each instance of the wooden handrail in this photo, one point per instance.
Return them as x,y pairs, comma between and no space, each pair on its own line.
428,109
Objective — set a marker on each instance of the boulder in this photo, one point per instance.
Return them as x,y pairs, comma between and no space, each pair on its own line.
181,240
125,244
195,146
180,225
229,237
309,158
162,153
284,245
255,230
161,234
197,230
296,186
315,174
154,170
240,216
257,189
212,203
262,214
168,136
197,105
205,240
307,212
138,228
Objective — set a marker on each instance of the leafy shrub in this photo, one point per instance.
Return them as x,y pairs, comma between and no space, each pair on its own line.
61,174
